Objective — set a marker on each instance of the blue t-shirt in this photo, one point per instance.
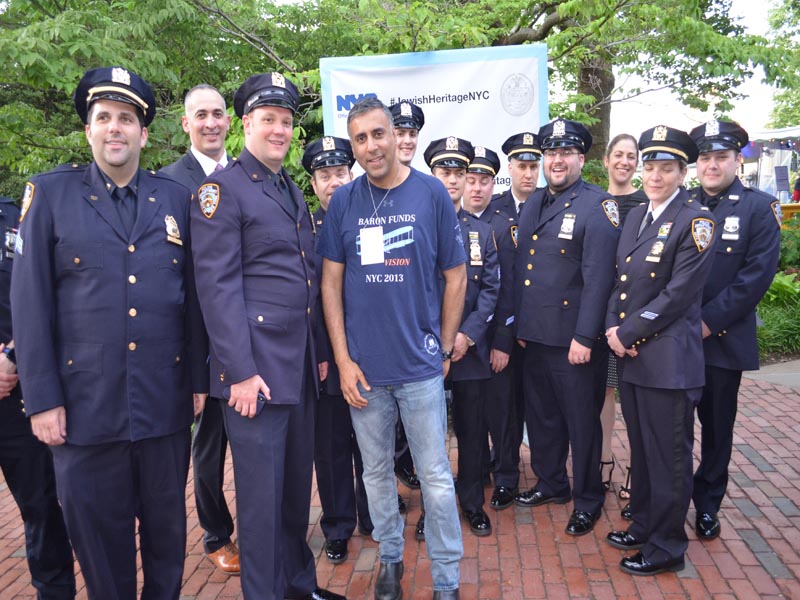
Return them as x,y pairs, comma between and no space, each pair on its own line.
392,309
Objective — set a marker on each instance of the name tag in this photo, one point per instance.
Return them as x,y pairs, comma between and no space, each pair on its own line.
371,245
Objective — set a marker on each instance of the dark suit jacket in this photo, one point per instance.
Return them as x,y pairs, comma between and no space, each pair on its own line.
745,262
255,269
100,317
187,171
563,283
657,304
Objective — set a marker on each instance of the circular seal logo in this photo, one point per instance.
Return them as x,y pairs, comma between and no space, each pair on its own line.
431,344
516,94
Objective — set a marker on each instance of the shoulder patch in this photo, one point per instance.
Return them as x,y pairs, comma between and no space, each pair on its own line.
208,195
611,208
27,198
702,233
515,234
777,212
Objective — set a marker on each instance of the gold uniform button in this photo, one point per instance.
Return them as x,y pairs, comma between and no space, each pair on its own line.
563,251
566,302
222,376
535,237
303,253
308,310
132,312
527,282
131,248
131,279
23,411
177,359
69,362
174,261
729,249
652,275
132,346
622,315
627,260
530,266
260,318
623,295
298,225
475,277
623,278
309,282
76,260
533,251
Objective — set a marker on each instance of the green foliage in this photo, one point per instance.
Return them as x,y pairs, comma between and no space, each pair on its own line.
594,172
779,310
790,246
784,291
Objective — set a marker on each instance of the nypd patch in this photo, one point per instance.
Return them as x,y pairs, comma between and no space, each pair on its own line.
776,210
611,208
702,233
208,195
515,234
27,198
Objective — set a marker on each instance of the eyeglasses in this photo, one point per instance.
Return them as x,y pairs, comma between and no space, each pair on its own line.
560,153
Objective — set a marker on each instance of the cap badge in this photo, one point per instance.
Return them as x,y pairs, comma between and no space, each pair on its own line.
480,152
712,128
660,134
452,143
120,75
405,109
278,80
328,143
527,139
559,128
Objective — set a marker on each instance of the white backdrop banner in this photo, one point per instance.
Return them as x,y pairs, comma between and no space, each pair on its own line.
483,95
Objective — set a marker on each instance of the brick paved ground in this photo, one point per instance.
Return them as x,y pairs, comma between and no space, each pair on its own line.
529,556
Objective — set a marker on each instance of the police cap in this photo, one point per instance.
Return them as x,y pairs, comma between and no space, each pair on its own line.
328,152
407,115
451,152
118,84
522,146
563,133
719,135
485,161
666,143
265,89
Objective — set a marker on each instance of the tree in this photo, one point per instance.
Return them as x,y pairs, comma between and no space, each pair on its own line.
785,29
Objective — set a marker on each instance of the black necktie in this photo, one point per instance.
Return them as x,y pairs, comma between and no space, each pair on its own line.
289,202
126,207
547,200
712,201
648,220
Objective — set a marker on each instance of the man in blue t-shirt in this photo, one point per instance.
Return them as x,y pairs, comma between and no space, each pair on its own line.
386,236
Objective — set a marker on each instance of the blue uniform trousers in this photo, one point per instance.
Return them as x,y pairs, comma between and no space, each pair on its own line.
104,489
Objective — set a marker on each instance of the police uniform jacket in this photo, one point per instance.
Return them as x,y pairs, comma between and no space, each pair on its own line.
564,270
104,320
504,203
9,219
480,300
656,303
331,385
504,227
745,260
255,268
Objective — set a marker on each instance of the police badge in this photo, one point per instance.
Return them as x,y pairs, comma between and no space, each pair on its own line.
712,129
173,233
730,229
452,143
559,128
328,143
278,80
209,199
475,257
527,139
567,227
120,75
405,109
480,152
702,233
660,134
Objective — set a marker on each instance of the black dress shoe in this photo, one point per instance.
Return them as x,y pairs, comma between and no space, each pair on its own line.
534,497
626,513
408,478
707,526
479,522
624,540
639,565
502,497
323,594
401,504
581,522
446,595
387,584
419,532
336,551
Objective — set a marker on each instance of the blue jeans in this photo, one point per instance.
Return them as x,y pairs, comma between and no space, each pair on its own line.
424,414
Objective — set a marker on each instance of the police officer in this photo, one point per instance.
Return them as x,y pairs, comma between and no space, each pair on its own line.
568,233
255,268
106,328
408,120
501,416
26,462
524,160
207,122
328,161
746,258
448,159
664,255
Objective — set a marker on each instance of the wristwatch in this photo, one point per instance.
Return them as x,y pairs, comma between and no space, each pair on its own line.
10,354
447,354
